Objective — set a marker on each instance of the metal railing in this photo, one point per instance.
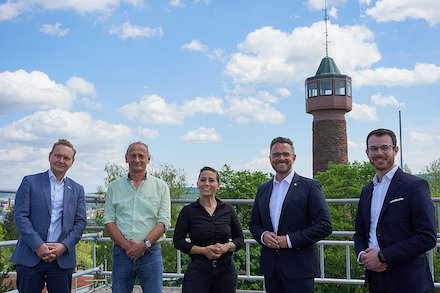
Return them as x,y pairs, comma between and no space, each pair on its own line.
98,237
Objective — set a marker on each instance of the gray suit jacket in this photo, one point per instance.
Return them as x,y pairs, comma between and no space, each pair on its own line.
32,214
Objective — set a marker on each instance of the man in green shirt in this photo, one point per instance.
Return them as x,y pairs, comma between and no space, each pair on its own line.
137,214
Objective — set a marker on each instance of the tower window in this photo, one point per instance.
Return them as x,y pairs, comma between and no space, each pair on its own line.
325,87
340,87
348,88
312,89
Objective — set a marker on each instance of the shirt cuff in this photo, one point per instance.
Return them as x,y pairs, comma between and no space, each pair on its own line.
261,238
288,241
359,257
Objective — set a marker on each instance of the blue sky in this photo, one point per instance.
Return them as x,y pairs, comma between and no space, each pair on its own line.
207,82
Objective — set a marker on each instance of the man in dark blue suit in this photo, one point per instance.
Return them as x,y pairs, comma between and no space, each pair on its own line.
395,223
50,215
289,216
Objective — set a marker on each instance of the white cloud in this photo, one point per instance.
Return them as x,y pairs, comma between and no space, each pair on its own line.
421,74
333,12
283,92
392,10
23,90
154,109
201,135
216,54
319,4
29,140
54,30
81,86
272,56
248,109
127,30
195,45
381,100
203,105
421,139
43,126
176,3
11,10
363,112
150,133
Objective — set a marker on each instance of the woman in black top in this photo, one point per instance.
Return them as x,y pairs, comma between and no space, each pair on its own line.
215,232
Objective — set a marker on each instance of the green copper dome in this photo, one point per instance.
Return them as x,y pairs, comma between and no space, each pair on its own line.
327,66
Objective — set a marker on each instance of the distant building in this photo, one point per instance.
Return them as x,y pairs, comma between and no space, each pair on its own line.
328,98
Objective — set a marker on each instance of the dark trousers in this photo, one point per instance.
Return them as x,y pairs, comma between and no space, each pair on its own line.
277,283
32,279
203,276
377,283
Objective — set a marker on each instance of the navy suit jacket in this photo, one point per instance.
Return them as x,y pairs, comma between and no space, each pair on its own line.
406,230
32,214
305,217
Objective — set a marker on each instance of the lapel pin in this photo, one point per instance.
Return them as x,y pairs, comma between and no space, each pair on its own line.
68,186
295,184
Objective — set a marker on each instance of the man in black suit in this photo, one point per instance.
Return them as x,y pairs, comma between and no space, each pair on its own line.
395,223
289,216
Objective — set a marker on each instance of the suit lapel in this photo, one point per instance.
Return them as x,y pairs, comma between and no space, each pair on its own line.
67,200
266,204
368,207
394,186
45,186
296,180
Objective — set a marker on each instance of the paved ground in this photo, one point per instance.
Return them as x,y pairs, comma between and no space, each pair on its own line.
137,289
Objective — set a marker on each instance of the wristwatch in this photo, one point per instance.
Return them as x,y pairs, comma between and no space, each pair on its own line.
147,244
380,256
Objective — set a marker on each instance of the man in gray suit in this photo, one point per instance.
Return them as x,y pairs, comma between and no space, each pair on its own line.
50,215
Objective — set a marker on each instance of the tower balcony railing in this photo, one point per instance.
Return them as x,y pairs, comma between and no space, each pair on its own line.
101,269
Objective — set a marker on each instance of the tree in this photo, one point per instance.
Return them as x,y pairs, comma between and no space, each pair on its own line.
11,232
343,181
432,175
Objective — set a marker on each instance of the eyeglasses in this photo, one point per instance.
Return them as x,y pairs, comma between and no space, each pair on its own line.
384,148
278,155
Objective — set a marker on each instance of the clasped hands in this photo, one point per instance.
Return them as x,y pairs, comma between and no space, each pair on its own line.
49,252
135,249
371,261
214,251
274,241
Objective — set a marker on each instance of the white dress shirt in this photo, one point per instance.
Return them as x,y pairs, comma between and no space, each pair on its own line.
279,192
57,201
379,191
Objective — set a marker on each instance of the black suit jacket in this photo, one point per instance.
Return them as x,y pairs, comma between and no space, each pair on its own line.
305,217
406,230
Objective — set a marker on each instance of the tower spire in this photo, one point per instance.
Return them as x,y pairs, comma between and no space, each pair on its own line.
326,31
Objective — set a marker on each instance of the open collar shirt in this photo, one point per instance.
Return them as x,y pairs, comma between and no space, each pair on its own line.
137,211
57,206
379,192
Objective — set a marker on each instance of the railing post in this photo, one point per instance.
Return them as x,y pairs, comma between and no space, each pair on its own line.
347,261
248,260
321,262
179,262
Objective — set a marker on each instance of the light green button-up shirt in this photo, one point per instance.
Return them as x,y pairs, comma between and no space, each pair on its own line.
137,212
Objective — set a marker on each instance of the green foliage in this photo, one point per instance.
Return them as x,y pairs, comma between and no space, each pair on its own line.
114,172
432,175
83,252
5,286
8,225
343,181
242,184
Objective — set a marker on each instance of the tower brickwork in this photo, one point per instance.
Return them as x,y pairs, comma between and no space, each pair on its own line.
328,98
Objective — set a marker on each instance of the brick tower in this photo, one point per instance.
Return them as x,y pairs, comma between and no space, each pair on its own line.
328,98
